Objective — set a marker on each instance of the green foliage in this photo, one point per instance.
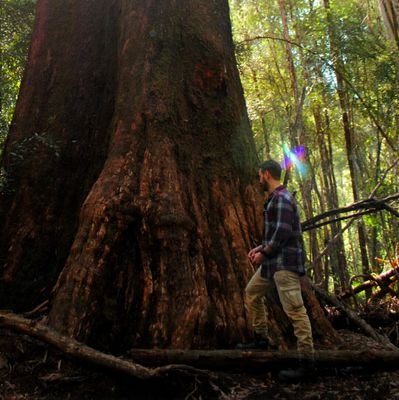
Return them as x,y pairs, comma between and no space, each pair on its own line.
16,21
369,65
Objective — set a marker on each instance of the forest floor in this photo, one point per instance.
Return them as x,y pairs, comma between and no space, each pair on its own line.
30,370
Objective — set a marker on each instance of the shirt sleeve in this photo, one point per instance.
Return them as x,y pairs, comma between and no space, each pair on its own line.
282,229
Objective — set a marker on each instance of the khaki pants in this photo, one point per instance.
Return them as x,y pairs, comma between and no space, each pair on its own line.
289,291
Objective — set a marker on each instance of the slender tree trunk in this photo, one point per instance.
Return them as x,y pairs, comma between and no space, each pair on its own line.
139,197
348,132
323,200
296,127
337,256
265,131
390,15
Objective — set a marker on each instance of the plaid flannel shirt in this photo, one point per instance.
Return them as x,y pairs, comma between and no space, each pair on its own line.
283,234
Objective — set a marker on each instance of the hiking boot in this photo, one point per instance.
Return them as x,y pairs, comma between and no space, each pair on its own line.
259,343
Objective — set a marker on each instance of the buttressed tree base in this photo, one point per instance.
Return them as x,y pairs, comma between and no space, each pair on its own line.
130,197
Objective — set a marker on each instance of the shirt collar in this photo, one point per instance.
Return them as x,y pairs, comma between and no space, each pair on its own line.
277,190
274,193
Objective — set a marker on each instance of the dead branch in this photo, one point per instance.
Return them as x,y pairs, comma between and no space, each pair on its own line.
80,351
362,324
160,362
368,206
383,281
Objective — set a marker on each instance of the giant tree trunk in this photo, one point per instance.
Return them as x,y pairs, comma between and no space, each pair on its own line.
129,166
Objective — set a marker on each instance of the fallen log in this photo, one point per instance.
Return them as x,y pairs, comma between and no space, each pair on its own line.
247,360
161,362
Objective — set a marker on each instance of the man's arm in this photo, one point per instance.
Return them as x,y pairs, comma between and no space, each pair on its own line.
283,229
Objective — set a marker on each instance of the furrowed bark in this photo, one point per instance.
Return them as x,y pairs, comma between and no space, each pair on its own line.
132,200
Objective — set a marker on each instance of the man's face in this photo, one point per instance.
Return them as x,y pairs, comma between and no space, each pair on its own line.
263,180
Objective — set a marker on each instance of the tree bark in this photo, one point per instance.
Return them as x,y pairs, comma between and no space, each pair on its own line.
157,237
57,143
131,168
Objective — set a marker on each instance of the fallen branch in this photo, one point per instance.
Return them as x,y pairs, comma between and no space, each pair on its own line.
80,351
367,206
362,324
383,280
161,362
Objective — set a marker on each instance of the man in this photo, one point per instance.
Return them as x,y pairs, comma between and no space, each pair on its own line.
280,262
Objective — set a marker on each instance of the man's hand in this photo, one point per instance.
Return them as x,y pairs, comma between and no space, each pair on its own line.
255,257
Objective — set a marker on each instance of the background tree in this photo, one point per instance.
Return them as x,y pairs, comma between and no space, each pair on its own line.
16,20
390,14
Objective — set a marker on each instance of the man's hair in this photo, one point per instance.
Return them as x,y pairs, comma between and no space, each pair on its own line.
273,167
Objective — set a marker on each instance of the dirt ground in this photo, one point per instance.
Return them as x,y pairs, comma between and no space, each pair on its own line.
29,370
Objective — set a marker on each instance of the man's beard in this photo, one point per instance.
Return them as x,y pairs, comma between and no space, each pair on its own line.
265,186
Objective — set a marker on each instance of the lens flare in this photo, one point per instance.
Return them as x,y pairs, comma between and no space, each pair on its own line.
295,160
